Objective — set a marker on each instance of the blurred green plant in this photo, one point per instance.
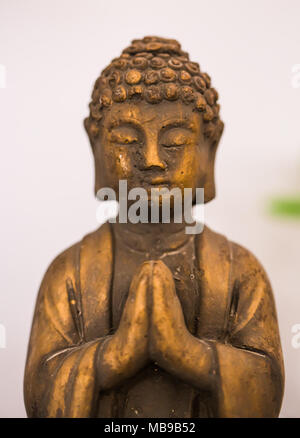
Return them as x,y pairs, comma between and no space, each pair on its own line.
288,207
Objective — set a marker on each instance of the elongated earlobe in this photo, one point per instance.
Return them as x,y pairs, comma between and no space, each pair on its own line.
209,185
92,131
98,184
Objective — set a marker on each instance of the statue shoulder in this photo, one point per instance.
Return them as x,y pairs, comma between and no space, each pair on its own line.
251,284
215,247
77,283
233,282
228,268
246,268
96,245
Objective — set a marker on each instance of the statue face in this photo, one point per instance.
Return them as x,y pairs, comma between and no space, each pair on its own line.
152,145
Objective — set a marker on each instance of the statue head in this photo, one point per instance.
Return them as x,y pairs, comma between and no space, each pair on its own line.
154,120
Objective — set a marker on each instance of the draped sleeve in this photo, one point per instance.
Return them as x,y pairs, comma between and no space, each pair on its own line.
61,373
250,365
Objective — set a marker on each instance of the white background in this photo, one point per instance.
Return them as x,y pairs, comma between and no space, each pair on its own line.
53,51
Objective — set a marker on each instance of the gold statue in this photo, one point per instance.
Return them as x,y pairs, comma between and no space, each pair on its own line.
144,320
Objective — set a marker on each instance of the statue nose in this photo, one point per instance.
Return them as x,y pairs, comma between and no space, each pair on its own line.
152,158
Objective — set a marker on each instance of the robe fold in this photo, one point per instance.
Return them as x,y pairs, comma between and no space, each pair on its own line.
73,317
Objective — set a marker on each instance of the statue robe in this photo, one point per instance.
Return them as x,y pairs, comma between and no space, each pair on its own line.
73,317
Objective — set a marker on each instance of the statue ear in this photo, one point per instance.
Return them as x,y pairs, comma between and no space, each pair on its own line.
92,132
99,171
209,185
98,183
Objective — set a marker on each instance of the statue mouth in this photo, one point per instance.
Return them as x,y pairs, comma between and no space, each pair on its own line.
161,187
157,182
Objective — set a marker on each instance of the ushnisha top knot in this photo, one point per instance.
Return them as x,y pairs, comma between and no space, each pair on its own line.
155,44
155,69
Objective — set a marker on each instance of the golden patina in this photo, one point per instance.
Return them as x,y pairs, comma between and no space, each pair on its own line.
144,320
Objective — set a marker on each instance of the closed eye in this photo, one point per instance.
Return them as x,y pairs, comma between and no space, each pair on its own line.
123,139
176,137
124,136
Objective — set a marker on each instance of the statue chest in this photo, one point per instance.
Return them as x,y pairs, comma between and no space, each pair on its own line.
181,262
153,392
201,275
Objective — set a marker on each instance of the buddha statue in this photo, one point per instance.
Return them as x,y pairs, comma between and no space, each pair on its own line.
144,319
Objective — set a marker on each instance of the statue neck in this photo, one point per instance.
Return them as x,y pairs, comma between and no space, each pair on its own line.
152,238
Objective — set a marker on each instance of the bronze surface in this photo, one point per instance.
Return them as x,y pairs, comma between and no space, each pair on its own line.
143,320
